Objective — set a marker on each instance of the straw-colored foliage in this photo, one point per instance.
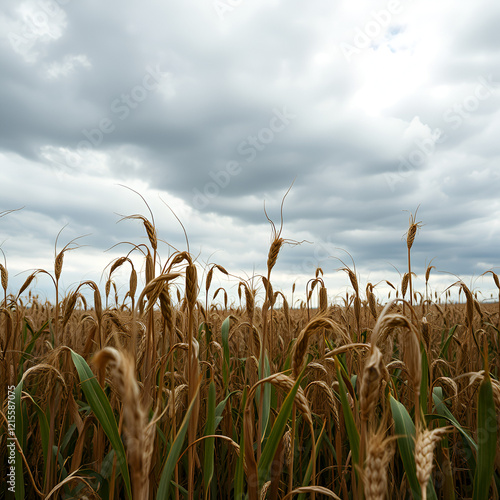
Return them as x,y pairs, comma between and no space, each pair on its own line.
156,390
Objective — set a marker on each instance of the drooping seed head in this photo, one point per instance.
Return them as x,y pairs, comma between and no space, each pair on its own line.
470,303
107,288
116,264
372,304
404,283
412,231
287,445
208,281
250,302
256,341
191,285
379,454
97,302
27,283
328,392
495,278
70,305
323,300
166,307
151,232
150,268
370,383
428,272
424,452
263,491
478,308
357,308
211,273
269,289
59,264
301,345
179,257
274,251
133,283
353,279
286,383
4,276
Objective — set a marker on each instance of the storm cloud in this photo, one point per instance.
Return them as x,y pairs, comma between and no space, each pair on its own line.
370,109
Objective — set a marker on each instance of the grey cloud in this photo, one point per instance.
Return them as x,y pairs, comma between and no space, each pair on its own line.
221,82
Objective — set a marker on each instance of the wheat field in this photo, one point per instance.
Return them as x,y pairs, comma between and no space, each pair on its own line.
161,392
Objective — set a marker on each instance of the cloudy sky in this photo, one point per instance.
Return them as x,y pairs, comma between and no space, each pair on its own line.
371,108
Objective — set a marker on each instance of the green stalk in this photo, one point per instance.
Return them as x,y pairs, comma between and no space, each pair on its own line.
487,437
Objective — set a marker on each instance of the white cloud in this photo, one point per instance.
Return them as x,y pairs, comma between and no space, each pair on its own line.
32,25
67,66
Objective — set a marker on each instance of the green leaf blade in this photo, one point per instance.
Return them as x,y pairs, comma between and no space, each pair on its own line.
405,429
352,430
276,434
208,461
174,453
487,440
102,409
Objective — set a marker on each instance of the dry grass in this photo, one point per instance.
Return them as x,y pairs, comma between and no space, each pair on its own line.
199,393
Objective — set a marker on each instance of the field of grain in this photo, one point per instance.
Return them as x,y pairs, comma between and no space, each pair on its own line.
162,393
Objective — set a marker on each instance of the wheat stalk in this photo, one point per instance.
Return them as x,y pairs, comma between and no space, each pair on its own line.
300,347
380,451
370,383
424,454
139,434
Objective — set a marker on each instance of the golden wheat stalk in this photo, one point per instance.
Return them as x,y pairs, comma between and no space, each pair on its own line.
370,384
302,343
424,454
380,451
4,276
139,435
